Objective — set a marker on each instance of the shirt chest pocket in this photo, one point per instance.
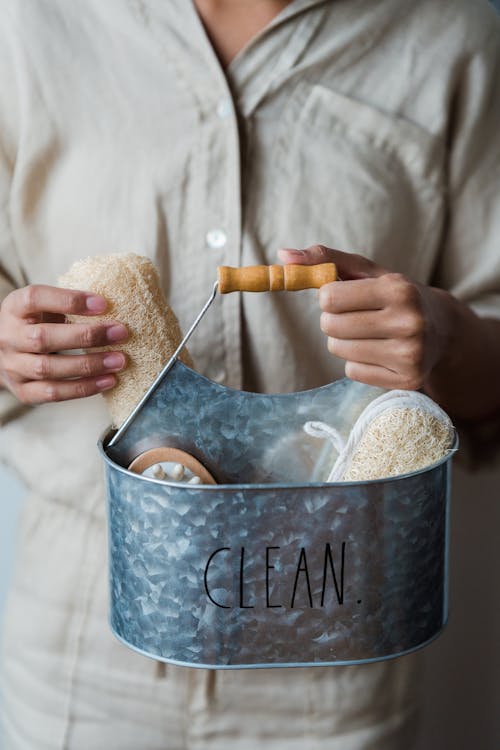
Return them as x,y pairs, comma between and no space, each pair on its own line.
353,177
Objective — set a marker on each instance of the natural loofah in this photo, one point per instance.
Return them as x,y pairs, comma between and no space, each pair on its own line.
131,287
398,442
397,433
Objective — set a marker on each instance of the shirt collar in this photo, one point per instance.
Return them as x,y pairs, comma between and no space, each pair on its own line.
179,30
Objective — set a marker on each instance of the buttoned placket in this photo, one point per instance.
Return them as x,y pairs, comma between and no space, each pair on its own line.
216,199
219,200
218,194
250,76
222,207
212,225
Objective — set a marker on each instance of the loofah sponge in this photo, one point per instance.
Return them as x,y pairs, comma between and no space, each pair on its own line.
131,286
397,433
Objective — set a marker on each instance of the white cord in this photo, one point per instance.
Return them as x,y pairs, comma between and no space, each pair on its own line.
396,399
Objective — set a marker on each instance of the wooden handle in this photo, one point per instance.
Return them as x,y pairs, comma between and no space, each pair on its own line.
274,278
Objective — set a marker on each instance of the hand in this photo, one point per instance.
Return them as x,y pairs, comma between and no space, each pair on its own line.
33,327
391,331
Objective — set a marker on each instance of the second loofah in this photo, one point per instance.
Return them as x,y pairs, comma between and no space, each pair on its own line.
131,286
399,441
397,433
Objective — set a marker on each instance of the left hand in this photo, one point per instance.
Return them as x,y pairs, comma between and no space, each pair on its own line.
391,331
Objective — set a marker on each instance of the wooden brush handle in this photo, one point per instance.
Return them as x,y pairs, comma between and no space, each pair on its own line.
274,278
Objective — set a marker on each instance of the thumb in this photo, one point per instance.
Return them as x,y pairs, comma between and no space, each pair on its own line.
349,265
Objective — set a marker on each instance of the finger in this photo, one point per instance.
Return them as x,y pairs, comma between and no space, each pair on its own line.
62,366
404,357
40,338
379,376
349,265
350,296
381,352
356,325
41,392
38,298
375,324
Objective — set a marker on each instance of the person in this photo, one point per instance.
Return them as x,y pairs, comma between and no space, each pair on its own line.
209,133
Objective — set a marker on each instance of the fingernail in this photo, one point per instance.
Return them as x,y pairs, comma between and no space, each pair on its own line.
95,304
294,251
105,382
116,333
113,361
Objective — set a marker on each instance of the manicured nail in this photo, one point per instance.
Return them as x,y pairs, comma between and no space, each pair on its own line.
105,382
113,361
95,304
116,333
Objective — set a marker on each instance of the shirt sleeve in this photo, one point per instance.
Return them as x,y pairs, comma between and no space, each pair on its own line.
469,264
10,406
11,275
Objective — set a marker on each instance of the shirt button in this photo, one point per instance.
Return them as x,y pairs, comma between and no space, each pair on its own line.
216,239
224,108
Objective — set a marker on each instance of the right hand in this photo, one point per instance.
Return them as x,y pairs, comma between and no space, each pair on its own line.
33,329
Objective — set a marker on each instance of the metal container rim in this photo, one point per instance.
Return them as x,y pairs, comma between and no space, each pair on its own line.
280,665
273,485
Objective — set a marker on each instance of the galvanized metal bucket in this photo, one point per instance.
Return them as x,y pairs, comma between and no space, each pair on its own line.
265,568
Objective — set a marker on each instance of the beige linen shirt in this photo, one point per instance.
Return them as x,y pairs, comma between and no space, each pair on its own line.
366,126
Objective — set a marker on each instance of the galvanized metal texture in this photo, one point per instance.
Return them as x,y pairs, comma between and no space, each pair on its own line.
256,574
242,437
